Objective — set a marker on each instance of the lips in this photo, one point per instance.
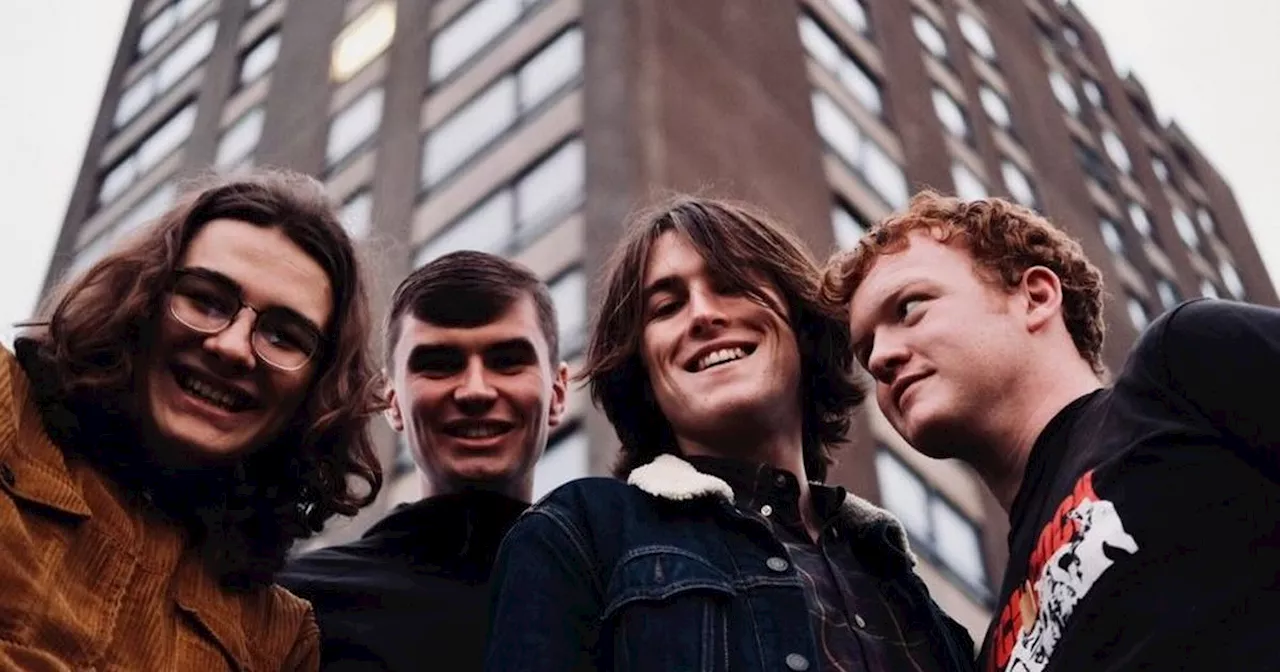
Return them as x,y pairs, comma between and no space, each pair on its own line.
477,429
901,385
213,391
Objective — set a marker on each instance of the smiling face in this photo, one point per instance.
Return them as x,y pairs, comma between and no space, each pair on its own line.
945,346
477,403
208,397
717,359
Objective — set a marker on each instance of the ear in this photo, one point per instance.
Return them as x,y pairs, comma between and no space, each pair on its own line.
393,415
559,393
1042,290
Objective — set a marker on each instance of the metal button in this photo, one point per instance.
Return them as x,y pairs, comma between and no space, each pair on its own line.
780,480
862,622
766,510
7,475
797,662
777,564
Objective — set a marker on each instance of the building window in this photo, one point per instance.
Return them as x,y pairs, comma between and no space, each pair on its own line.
567,458
1137,312
848,224
144,211
471,31
362,40
160,25
239,140
1206,220
1186,228
951,115
354,126
1018,183
853,13
1141,221
935,525
473,127
929,35
1231,279
1092,163
828,52
860,152
255,5
1160,168
162,141
518,212
182,60
1112,236
996,107
1071,36
1093,93
1169,295
1115,149
569,295
260,58
976,35
1210,290
1064,92
357,214
969,186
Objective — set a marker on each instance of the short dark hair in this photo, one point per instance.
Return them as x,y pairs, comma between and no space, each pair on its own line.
733,239
469,289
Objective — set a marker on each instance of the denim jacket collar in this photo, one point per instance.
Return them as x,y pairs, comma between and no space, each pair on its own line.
670,477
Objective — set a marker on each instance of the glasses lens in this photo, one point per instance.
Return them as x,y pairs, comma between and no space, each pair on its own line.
202,304
285,340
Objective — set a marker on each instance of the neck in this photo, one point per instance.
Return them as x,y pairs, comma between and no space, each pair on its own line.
520,489
782,450
1002,462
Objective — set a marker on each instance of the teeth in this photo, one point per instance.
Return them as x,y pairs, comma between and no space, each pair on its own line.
478,431
720,356
209,393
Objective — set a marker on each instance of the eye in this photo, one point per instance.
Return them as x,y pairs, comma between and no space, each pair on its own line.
436,364
909,306
663,308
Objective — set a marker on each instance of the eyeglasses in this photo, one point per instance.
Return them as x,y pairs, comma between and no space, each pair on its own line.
208,303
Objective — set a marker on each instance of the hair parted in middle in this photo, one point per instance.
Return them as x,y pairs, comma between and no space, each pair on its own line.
1004,239
738,244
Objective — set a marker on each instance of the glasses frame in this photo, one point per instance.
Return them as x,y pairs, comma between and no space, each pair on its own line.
240,306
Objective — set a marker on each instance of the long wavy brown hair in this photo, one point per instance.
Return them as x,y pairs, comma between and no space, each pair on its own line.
84,357
738,244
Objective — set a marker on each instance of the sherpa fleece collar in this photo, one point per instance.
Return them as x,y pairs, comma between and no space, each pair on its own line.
670,477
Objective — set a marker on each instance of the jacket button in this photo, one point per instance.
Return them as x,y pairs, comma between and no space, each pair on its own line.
777,564
7,475
797,662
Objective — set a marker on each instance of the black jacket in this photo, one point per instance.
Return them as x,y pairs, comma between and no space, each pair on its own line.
413,592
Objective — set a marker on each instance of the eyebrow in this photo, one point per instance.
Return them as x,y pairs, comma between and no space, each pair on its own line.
519,344
223,279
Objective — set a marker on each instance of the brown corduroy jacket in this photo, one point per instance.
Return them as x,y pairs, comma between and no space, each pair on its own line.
90,582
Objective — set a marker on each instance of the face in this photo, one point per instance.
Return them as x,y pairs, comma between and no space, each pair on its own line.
210,398
716,357
477,404
943,344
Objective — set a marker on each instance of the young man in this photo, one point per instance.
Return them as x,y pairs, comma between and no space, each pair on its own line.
727,383
186,409
477,386
1144,516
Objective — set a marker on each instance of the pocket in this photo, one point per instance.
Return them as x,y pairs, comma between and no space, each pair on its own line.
668,609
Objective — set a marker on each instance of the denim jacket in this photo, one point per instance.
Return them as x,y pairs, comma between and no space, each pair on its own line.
664,573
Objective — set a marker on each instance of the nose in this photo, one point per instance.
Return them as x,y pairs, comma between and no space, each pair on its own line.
888,355
234,344
707,310
475,394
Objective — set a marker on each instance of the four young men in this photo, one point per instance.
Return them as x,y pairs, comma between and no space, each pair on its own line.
170,448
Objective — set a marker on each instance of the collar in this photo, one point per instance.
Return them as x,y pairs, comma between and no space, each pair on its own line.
672,478
464,525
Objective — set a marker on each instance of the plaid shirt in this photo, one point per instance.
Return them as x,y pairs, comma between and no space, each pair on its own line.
856,625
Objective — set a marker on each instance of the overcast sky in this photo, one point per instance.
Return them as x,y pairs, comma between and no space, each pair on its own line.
1213,67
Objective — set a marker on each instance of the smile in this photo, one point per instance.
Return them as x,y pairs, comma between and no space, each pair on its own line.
719,356
225,397
477,429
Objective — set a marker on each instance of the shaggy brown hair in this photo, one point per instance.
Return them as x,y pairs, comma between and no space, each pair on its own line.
1004,239
245,517
738,244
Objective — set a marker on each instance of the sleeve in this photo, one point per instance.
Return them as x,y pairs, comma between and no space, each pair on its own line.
1223,358
546,598
305,654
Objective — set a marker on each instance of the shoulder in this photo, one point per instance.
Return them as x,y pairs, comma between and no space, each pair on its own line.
325,565
1211,329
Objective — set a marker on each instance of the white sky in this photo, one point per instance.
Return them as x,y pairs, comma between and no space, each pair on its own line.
1216,70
